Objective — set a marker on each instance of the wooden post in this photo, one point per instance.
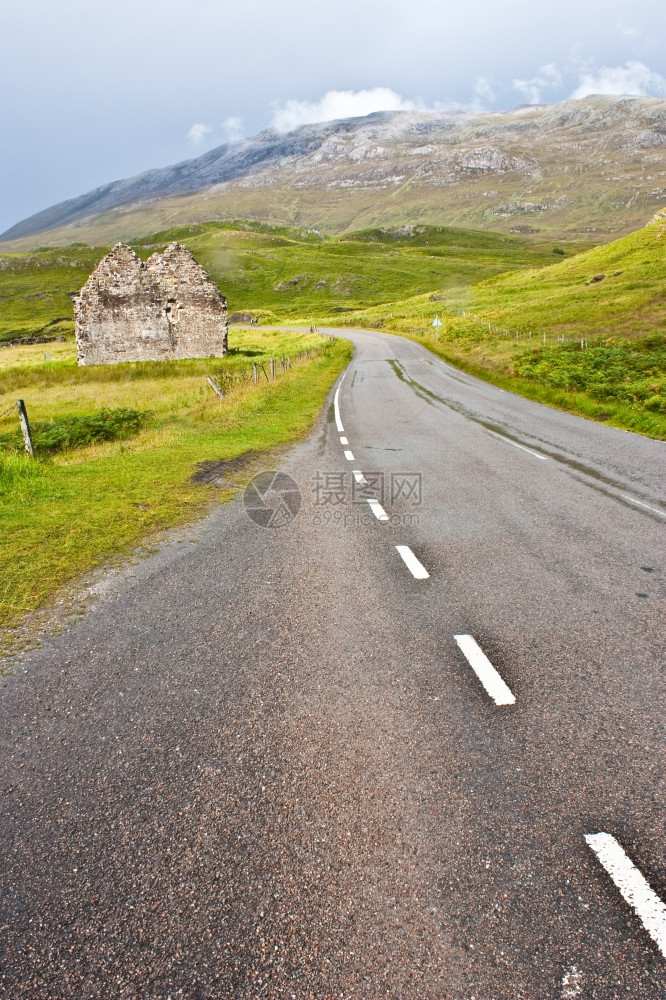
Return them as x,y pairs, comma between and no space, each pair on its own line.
213,384
255,372
25,427
272,367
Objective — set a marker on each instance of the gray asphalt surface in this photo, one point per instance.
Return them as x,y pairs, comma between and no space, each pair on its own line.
260,766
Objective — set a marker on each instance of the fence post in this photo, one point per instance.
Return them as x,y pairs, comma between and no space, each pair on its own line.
272,367
255,373
214,386
25,427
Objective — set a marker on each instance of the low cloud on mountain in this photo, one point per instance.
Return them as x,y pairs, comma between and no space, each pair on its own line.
198,132
548,78
339,104
634,78
174,80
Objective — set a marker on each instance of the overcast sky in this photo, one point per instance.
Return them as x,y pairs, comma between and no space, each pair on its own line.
92,91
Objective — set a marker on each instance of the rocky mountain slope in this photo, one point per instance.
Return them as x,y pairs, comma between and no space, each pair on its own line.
596,165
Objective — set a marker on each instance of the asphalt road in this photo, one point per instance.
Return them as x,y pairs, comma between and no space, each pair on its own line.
262,766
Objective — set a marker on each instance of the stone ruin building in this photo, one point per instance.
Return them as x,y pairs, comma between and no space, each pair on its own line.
163,309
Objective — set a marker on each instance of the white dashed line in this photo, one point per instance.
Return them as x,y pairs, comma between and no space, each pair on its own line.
336,408
544,458
360,478
349,456
632,885
640,503
377,509
343,440
485,671
418,571
572,983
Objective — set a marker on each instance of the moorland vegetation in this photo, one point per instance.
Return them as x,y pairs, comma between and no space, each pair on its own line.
569,324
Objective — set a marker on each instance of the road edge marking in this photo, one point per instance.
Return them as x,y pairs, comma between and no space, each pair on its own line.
495,686
655,510
535,454
336,408
633,886
415,567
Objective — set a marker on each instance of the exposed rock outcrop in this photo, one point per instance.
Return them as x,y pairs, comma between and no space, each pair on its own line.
575,164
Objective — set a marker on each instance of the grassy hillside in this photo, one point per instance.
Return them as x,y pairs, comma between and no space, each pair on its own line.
276,272
34,289
513,308
524,330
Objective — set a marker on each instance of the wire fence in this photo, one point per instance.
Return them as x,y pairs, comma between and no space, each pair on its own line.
221,380
268,369
8,410
501,331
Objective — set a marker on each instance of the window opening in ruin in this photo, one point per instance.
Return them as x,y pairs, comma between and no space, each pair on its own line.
172,309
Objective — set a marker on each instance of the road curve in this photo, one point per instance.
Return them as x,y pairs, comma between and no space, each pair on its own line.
355,749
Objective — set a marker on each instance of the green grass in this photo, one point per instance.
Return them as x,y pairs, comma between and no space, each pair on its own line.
630,372
70,513
524,329
34,289
287,274
629,301
276,272
514,313
51,436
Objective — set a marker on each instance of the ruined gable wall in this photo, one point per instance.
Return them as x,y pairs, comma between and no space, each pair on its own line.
165,309
195,310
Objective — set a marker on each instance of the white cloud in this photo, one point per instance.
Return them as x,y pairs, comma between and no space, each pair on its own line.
484,93
634,78
548,77
234,128
198,133
338,104
629,31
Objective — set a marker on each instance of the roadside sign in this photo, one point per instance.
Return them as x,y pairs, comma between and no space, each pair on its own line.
437,322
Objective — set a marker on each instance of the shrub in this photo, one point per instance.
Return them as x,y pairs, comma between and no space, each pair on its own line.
627,371
76,432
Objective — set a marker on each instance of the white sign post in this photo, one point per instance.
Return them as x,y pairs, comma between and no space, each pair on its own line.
437,325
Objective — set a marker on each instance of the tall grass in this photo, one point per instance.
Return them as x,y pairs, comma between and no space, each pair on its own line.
66,515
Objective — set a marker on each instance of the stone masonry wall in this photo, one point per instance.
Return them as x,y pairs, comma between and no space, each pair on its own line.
167,308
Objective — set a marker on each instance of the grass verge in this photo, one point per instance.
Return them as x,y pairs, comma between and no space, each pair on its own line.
586,335
615,413
66,515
